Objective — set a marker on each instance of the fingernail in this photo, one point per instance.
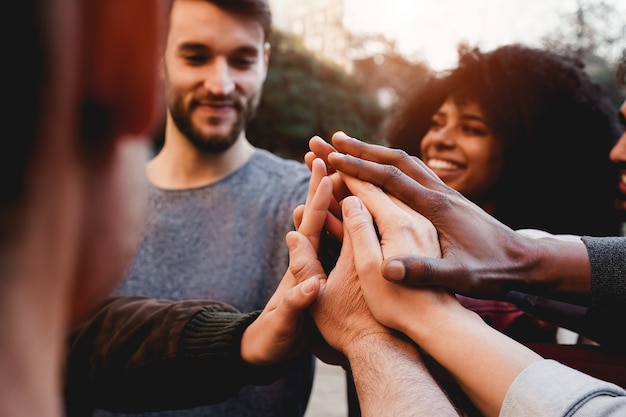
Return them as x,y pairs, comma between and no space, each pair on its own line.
395,271
351,205
337,155
308,286
291,240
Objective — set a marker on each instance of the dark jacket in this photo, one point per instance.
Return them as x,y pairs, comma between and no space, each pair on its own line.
138,354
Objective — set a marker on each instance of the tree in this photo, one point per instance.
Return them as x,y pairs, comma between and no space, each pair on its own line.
304,96
595,28
596,34
382,70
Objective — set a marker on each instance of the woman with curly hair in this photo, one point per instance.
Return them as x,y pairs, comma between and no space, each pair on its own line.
524,133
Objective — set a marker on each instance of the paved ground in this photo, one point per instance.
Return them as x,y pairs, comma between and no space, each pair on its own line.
328,398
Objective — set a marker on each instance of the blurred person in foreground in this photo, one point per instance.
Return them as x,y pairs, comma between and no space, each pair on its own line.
71,190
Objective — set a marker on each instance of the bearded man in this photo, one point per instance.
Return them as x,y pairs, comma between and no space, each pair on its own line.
219,208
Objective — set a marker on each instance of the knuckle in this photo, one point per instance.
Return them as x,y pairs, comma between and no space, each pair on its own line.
440,203
361,225
399,155
391,174
298,268
404,227
403,159
403,156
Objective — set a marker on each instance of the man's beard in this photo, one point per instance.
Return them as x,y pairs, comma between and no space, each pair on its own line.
213,143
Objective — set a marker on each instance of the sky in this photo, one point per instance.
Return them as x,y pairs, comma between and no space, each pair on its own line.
431,29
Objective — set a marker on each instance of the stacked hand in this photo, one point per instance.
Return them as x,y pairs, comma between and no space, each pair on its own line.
379,360
481,257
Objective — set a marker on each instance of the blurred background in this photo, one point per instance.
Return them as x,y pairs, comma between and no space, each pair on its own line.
342,64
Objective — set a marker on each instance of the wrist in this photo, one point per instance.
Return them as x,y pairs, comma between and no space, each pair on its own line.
559,268
426,326
368,342
385,365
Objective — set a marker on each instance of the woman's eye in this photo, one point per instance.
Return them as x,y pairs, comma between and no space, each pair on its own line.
475,131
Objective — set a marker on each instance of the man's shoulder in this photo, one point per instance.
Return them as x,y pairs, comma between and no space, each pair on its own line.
276,165
274,174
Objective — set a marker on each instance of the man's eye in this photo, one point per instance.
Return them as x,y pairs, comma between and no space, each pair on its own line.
242,62
195,59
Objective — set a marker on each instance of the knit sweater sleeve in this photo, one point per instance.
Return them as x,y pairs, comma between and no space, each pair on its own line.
211,344
137,354
607,256
550,389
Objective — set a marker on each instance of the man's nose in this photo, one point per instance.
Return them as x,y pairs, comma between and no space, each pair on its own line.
219,80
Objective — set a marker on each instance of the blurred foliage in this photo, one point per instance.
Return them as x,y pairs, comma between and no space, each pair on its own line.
304,96
594,28
384,72
596,34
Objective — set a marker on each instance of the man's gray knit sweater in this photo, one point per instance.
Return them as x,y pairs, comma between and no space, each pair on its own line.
226,242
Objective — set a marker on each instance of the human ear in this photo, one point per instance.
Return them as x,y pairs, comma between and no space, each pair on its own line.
267,49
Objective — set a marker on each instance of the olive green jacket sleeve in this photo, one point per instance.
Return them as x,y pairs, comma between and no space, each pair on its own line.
136,354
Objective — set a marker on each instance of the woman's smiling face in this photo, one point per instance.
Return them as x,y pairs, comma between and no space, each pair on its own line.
461,149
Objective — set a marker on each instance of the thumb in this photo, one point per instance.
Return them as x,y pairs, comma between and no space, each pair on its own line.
416,271
301,296
303,259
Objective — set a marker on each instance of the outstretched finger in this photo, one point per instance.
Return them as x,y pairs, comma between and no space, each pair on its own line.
298,213
401,175
316,212
308,159
393,181
384,155
340,191
333,224
321,148
318,171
